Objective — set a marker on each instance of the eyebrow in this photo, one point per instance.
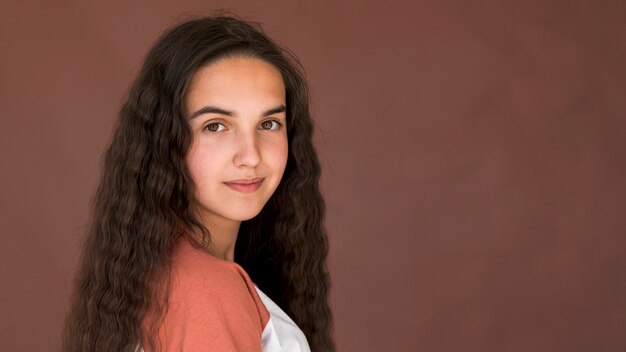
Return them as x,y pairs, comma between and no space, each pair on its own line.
216,110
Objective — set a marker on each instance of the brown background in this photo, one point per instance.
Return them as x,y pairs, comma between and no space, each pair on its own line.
474,161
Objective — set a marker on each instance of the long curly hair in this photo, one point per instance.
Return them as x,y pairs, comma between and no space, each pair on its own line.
145,195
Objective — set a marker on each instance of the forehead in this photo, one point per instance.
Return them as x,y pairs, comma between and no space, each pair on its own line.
235,79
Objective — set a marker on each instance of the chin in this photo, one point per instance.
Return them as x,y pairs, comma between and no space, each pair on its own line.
245,215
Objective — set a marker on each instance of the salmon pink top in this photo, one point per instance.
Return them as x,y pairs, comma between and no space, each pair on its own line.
215,306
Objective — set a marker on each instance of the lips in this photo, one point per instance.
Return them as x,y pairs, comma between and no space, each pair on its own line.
245,185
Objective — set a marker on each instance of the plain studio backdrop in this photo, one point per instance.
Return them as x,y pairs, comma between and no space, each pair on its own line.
474,161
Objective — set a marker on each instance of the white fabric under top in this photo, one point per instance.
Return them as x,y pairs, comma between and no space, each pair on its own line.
281,334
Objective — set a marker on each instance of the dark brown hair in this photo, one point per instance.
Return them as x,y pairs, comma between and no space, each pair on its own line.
144,197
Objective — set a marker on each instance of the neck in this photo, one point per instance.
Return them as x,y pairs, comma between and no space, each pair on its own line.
223,238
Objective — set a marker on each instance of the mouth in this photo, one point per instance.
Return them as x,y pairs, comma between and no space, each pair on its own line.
245,185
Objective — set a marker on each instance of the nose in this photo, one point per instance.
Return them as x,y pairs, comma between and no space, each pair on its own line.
248,154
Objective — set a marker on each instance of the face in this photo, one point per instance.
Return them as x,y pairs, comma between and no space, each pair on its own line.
236,110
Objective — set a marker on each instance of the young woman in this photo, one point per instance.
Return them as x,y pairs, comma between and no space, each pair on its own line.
207,231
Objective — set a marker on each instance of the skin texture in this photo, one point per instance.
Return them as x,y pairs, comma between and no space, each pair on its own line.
248,144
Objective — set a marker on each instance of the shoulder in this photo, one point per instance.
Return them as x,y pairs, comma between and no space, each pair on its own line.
193,268
200,277
210,304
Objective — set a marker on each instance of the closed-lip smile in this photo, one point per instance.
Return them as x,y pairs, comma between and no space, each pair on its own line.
246,181
248,185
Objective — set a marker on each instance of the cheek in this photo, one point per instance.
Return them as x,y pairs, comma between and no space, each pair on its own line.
192,168
277,155
201,167
284,155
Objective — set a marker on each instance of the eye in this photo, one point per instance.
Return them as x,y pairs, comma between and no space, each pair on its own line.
270,125
214,127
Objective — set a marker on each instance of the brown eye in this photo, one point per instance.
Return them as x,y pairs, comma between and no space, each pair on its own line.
213,127
270,125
